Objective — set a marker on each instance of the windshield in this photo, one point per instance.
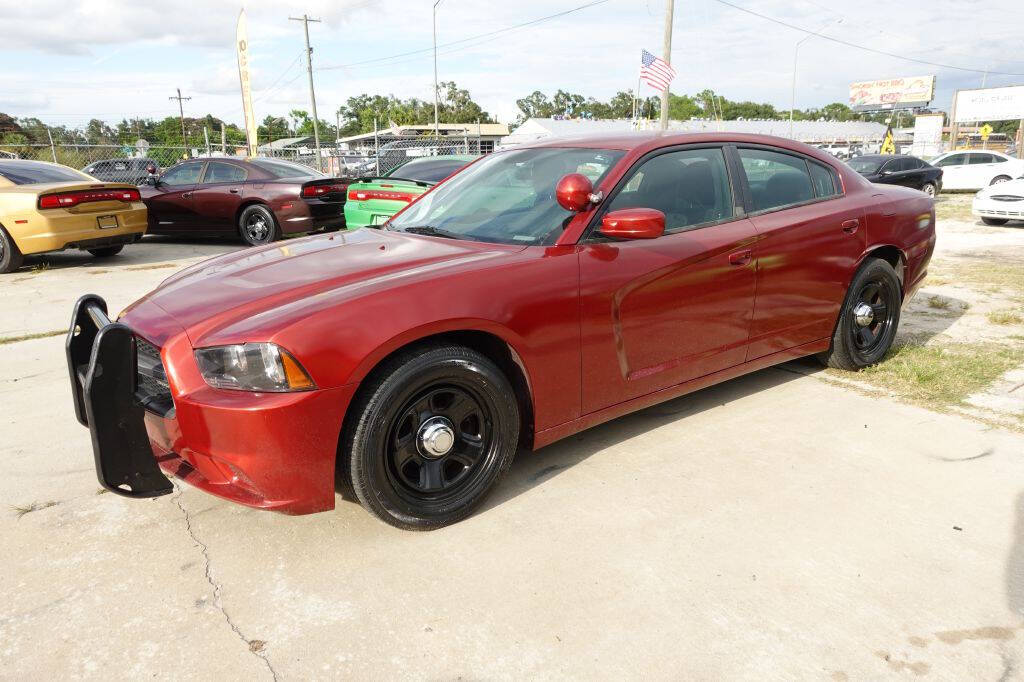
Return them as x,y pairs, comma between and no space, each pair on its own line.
865,166
428,170
36,172
507,197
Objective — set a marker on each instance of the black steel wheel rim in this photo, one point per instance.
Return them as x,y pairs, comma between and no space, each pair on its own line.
870,330
257,227
422,470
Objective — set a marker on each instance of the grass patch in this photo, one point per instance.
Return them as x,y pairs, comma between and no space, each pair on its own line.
939,302
986,273
28,337
940,376
953,208
1005,317
21,510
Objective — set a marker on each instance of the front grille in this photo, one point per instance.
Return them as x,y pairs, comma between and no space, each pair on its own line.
1006,197
151,387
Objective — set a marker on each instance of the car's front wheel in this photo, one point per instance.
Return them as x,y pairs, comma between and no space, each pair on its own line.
10,257
107,251
868,319
429,435
257,225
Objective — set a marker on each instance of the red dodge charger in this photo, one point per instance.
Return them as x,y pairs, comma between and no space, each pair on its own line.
537,292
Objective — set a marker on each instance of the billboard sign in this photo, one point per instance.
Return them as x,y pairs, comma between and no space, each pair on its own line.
892,93
990,104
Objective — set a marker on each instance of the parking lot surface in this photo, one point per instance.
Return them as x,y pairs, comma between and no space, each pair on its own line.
777,526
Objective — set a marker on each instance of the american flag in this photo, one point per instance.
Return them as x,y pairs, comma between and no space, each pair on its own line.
655,72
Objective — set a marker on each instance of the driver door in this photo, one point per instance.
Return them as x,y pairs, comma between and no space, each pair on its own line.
659,312
170,205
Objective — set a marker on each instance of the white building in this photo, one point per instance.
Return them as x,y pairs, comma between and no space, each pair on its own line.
817,132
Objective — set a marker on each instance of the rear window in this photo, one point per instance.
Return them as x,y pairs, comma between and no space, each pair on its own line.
286,169
37,172
427,170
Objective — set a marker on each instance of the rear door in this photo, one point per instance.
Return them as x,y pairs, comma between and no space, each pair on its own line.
170,205
809,238
658,312
217,196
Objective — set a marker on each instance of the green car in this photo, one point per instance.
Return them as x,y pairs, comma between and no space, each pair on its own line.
372,201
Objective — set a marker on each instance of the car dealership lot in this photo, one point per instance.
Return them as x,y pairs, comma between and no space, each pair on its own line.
774,526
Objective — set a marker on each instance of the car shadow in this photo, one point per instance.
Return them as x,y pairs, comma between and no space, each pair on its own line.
531,469
151,250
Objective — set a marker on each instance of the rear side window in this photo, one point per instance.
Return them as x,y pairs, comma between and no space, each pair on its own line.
823,179
776,179
914,163
224,172
37,172
691,187
980,158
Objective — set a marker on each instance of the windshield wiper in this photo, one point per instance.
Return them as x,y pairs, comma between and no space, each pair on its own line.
430,231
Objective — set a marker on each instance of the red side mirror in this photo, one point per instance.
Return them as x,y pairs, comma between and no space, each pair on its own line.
573,192
633,223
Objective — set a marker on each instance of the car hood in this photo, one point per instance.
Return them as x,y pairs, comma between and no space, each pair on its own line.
259,288
1012,187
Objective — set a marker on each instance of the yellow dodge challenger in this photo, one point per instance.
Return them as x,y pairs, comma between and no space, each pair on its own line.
49,207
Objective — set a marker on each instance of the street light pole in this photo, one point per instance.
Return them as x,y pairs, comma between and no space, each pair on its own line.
312,96
792,94
436,3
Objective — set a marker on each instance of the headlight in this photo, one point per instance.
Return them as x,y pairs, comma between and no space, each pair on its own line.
252,367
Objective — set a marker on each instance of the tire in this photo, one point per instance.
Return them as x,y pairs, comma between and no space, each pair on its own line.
859,343
402,475
106,251
10,256
995,221
257,226
1000,178
929,189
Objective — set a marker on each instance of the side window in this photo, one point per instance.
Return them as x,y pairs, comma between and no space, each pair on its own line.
914,163
776,179
223,172
997,159
890,166
185,174
823,179
691,187
976,159
954,160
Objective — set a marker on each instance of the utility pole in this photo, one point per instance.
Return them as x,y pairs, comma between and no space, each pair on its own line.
181,115
436,3
312,96
666,54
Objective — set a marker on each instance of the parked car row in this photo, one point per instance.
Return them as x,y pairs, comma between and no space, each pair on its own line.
46,207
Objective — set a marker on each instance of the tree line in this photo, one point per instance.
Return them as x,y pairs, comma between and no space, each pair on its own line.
359,114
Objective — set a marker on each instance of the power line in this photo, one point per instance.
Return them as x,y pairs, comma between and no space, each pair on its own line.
862,47
263,92
465,40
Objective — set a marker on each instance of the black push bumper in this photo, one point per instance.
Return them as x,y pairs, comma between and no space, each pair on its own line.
101,362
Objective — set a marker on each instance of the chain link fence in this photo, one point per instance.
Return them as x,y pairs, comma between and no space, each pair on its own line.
126,163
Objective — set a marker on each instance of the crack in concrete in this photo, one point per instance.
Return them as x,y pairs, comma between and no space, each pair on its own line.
259,652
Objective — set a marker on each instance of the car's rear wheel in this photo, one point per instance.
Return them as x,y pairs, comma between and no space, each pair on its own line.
429,435
257,225
995,221
929,189
1000,178
106,251
10,256
868,319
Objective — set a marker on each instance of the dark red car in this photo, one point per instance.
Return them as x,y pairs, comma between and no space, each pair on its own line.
256,199
537,292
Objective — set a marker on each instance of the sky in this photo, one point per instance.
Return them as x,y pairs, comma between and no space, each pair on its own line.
68,62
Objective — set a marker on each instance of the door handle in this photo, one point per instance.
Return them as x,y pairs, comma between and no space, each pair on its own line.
850,226
741,257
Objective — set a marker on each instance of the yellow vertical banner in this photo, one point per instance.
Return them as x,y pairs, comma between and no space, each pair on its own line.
242,44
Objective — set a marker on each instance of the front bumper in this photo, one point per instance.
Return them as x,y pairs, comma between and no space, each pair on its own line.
1009,209
269,451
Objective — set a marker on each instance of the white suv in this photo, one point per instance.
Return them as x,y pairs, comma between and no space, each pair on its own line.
976,169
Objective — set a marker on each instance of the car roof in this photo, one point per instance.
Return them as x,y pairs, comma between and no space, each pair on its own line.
884,157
